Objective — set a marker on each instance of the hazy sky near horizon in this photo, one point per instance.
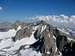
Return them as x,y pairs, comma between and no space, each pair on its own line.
19,9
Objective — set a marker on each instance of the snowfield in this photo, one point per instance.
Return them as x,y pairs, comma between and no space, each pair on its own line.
9,34
8,47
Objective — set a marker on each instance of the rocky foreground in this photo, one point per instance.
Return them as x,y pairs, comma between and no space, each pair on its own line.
35,39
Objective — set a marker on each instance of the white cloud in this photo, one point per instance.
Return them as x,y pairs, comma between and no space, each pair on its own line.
56,18
1,8
68,21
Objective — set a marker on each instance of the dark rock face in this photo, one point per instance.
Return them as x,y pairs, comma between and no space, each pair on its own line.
61,40
66,47
69,49
38,45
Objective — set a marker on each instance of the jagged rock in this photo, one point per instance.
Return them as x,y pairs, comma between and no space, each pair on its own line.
19,23
69,49
44,33
23,33
27,31
49,44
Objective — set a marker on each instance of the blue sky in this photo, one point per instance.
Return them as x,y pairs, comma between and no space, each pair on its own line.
19,9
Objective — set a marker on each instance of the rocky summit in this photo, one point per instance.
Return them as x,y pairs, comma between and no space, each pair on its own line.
36,39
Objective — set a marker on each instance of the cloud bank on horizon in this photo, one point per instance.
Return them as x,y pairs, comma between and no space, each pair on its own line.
58,20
